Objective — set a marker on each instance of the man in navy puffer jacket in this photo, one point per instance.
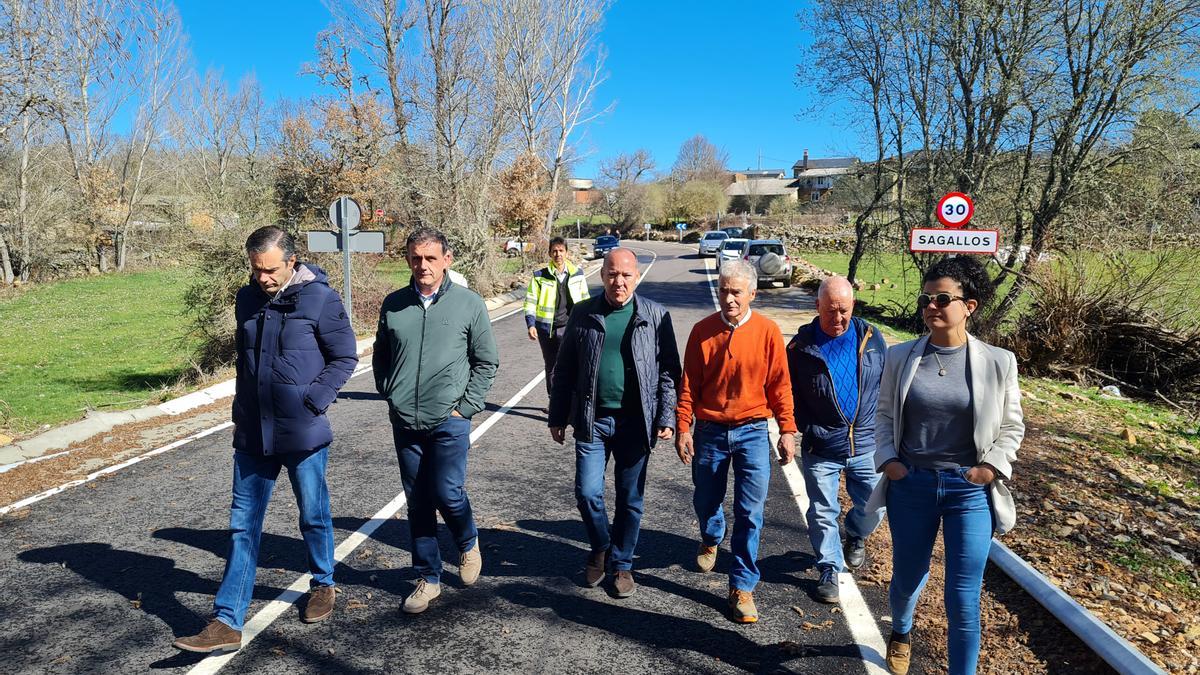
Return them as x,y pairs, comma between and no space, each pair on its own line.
295,350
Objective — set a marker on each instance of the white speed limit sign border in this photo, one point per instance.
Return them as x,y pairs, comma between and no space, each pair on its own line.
955,210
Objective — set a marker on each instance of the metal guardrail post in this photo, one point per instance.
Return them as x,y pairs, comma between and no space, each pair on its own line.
1114,649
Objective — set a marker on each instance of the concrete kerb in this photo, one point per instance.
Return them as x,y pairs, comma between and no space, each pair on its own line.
35,449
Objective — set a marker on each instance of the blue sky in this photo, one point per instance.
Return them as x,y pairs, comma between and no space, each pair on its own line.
723,69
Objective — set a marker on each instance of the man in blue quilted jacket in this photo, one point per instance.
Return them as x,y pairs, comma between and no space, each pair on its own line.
295,350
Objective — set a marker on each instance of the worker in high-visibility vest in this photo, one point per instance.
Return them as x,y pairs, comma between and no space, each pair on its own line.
552,293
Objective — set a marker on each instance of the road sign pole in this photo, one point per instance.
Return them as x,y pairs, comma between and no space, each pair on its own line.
344,226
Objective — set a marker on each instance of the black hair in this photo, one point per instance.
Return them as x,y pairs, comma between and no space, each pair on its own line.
970,274
425,235
265,238
556,241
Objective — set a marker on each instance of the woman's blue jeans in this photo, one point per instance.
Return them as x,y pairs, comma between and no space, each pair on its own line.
916,506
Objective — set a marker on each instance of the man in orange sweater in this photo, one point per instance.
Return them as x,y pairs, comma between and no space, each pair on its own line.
735,376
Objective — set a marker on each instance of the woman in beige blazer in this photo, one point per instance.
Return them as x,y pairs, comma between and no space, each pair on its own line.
948,429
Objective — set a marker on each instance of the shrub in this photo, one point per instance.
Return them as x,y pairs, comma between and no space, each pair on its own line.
1113,319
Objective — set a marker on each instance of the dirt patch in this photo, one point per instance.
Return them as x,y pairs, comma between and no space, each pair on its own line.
107,449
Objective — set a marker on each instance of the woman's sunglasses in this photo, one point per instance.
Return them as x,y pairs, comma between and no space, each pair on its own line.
942,300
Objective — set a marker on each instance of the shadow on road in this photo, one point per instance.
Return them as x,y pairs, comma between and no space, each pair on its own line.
663,633
150,580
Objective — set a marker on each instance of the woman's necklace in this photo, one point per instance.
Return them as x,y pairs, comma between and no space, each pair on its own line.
941,368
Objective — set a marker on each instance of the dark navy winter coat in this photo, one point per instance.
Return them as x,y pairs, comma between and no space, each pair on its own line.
293,355
826,431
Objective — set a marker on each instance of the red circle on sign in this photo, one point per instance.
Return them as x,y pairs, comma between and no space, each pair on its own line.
961,210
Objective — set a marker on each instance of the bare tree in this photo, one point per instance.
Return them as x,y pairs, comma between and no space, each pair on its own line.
24,79
209,128
94,54
699,159
1016,104
158,70
551,65
856,53
577,50
625,198
378,28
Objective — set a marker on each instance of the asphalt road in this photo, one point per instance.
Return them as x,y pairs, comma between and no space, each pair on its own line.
103,577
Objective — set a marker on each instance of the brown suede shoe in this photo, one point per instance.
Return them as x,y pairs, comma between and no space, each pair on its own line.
623,583
741,606
593,571
898,655
706,558
215,637
320,604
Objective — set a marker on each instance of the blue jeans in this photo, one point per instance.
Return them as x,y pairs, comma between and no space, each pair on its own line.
822,477
916,506
253,480
433,469
618,436
749,449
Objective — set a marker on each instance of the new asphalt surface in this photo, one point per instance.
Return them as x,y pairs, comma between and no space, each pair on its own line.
103,577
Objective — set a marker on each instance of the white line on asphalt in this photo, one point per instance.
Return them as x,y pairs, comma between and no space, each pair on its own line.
862,624
112,469
265,616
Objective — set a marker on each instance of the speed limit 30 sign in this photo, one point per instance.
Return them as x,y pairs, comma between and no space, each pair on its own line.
955,210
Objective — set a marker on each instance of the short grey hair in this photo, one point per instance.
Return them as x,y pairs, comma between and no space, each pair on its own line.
739,269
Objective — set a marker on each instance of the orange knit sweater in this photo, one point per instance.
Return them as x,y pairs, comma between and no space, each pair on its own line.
734,375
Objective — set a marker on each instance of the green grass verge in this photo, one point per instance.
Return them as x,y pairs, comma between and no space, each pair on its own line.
584,221
103,343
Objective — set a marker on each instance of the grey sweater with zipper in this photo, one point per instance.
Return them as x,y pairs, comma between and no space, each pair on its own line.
432,361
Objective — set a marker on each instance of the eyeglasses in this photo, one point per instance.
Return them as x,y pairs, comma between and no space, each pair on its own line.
942,300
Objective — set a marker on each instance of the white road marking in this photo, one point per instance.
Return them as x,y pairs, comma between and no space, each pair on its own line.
861,622
112,469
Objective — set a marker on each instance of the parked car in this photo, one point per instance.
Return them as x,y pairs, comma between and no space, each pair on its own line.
730,249
770,259
733,232
603,244
710,243
515,247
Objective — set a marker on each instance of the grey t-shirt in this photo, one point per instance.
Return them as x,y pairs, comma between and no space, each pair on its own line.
939,422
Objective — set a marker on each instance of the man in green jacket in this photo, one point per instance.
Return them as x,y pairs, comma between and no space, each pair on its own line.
552,293
434,363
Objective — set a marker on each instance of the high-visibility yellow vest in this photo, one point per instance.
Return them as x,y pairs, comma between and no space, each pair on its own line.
541,295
